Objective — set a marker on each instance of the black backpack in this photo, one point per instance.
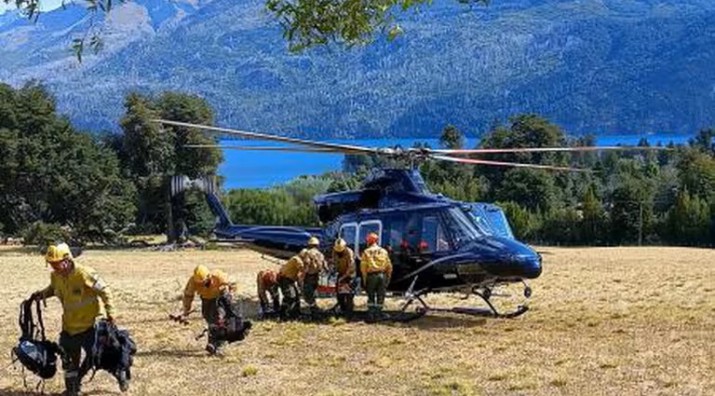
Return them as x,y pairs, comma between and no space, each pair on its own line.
113,349
234,327
34,351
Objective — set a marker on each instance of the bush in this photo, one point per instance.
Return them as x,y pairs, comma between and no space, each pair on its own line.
43,234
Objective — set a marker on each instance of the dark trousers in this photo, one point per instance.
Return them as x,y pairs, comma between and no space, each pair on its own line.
275,299
310,286
74,367
210,312
345,296
290,309
376,286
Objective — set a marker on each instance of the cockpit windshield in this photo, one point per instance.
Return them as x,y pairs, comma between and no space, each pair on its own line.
462,229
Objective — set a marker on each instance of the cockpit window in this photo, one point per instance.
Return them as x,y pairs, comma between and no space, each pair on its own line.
463,230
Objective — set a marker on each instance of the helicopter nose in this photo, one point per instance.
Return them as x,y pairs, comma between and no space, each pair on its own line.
530,265
512,258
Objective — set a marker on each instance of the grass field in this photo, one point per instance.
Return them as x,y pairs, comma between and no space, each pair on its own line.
603,321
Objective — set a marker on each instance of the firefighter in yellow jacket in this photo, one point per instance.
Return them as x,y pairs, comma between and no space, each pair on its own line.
267,285
289,277
314,262
376,270
80,290
343,260
209,285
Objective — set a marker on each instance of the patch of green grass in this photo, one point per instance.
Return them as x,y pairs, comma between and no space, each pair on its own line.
249,371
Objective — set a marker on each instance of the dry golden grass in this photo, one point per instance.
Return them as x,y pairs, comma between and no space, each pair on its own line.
604,321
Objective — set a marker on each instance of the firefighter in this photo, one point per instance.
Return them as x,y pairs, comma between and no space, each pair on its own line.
376,270
267,284
343,260
314,264
79,289
210,286
289,277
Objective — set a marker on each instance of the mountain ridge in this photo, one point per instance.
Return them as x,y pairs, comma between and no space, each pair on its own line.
591,66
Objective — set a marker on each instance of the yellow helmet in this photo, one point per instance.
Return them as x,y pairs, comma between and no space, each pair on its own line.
201,272
340,245
58,252
313,241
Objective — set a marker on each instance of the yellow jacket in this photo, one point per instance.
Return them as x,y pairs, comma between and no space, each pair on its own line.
293,268
344,263
80,292
219,284
314,261
375,259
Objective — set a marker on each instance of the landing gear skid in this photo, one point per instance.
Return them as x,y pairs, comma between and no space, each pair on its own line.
483,292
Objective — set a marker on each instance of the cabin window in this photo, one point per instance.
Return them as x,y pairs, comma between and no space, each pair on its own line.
433,236
349,233
367,227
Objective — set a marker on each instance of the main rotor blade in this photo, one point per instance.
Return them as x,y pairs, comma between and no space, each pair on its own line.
343,148
266,148
509,164
543,149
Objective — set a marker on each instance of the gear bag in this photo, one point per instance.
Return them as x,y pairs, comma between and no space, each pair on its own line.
113,350
231,326
34,351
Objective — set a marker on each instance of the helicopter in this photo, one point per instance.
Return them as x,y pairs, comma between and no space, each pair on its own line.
436,244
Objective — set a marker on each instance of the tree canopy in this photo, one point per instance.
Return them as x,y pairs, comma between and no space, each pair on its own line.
54,174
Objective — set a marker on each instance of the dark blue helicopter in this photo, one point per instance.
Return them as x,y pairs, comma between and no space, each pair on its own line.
435,243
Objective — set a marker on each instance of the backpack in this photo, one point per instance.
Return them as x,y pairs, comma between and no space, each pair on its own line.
234,327
34,351
113,349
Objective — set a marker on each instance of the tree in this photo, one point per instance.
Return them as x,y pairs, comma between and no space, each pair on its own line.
689,220
51,173
152,155
451,138
593,221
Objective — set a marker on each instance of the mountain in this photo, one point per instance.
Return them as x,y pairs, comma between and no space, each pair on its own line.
592,66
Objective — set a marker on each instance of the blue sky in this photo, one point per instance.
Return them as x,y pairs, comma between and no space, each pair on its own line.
45,5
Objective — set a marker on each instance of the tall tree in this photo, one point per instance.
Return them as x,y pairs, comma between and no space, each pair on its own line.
153,154
53,174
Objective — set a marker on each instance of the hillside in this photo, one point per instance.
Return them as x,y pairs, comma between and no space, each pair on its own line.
600,66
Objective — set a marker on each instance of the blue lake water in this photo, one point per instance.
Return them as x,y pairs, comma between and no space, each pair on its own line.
262,169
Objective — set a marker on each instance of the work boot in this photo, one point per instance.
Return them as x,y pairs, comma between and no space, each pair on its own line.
72,386
123,380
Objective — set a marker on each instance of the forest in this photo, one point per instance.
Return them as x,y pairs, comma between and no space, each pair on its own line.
60,182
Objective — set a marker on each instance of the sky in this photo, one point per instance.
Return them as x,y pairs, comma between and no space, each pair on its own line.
45,5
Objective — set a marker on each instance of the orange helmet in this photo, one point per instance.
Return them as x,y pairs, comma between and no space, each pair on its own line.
371,238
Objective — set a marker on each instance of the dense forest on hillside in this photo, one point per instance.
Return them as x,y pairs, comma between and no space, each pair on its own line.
56,181
590,66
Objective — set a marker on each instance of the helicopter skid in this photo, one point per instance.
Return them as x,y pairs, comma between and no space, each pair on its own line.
484,292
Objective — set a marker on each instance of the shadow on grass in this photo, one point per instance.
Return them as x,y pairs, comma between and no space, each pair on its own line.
395,318
15,392
175,353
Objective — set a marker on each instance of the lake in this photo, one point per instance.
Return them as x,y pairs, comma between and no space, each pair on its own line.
262,169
